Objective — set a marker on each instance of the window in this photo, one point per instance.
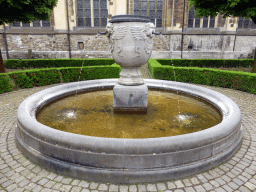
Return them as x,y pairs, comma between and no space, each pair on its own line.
151,8
195,22
35,23
244,23
85,10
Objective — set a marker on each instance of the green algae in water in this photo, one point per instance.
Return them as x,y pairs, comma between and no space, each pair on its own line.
91,113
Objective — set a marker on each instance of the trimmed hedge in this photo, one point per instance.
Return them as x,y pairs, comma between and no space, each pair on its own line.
211,63
5,84
41,77
243,81
44,63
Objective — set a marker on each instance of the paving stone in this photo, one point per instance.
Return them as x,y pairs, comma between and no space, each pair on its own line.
225,178
151,187
161,186
46,190
113,188
189,189
12,187
220,190
93,185
186,182
18,190
238,181
220,181
171,185
58,178
85,190
199,188
30,186
36,170
37,188
132,188
214,183
51,176
103,187
57,186
43,181
49,184
142,188
83,184
207,186
24,183
179,184
75,182
233,185
227,188
65,188
76,189
244,189
7,183
195,181
250,186
66,181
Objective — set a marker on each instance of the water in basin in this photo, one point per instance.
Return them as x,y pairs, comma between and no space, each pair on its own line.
91,113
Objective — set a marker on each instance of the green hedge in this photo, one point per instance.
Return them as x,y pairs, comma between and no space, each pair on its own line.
41,77
44,63
207,62
243,81
5,84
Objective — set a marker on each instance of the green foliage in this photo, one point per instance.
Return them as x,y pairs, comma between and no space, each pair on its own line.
237,8
102,69
25,11
44,76
43,63
5,85
207,62
21,79
229,79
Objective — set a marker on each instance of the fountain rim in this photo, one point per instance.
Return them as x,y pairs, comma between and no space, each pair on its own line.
231,120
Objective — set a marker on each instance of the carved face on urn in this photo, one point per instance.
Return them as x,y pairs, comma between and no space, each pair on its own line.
131,40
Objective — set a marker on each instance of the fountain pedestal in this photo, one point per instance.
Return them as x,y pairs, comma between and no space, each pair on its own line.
130,98
131,43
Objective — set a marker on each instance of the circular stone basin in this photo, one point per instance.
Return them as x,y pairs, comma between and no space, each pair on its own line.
116,160
91,114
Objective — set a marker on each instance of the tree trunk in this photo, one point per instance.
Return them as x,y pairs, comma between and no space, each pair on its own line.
254,63
2,69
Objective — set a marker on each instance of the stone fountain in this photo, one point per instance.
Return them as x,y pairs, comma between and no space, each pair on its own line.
131,41
118,160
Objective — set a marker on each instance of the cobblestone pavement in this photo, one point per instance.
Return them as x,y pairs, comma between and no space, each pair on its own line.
17,173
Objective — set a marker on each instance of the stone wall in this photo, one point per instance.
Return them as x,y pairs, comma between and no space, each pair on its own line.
166,46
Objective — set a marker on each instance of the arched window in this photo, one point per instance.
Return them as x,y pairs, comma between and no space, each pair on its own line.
151,8
85,10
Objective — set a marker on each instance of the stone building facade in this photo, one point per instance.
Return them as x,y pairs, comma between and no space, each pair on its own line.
74,24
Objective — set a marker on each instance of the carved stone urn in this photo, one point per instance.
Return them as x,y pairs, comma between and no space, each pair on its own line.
131,43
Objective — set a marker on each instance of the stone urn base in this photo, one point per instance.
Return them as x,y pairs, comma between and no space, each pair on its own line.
130,98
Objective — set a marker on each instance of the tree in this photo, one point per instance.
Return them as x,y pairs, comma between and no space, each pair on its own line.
236,8
25,11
